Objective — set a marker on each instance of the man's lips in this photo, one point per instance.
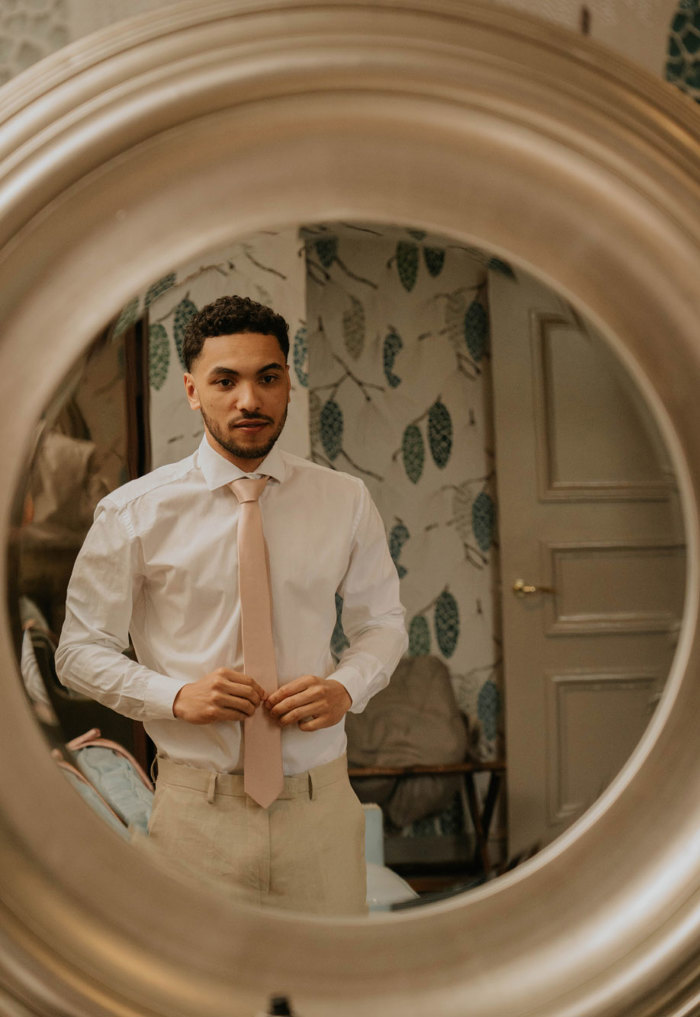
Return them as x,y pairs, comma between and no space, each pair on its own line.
251,425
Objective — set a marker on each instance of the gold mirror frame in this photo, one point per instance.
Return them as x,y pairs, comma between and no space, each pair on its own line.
145,145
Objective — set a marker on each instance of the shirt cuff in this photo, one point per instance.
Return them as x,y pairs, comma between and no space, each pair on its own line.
355,684
161,696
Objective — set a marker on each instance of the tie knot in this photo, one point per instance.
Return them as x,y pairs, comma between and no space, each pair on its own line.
248,488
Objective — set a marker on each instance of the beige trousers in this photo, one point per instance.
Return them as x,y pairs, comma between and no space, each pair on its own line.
304,853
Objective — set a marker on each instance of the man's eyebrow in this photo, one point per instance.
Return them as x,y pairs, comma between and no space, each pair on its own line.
228,372
273,366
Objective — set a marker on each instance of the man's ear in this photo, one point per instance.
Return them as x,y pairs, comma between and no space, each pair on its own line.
191,392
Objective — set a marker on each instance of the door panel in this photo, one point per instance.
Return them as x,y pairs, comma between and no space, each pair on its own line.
589,516
585,709
580,389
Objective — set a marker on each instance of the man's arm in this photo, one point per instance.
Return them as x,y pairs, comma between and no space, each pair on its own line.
105,583
373,621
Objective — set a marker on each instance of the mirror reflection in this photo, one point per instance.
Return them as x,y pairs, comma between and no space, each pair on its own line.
531,519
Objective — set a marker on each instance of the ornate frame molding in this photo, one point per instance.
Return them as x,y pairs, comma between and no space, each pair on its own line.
151,142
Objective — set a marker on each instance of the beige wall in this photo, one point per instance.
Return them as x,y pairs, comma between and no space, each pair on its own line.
638,29
31,29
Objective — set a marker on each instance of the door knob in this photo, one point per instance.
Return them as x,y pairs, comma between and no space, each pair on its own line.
523,589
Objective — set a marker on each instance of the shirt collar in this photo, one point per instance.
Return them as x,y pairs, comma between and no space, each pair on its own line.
218,471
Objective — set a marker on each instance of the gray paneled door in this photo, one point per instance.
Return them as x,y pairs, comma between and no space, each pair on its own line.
588,515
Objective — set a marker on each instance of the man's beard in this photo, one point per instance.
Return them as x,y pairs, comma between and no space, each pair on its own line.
226,441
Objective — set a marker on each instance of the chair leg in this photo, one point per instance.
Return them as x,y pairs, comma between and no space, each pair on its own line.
481,852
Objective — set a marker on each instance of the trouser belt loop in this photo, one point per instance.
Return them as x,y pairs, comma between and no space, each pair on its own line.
211,790
311,788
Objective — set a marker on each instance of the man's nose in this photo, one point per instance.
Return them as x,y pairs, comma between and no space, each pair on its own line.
248,397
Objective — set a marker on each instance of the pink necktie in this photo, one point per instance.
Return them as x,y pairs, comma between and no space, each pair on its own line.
262,757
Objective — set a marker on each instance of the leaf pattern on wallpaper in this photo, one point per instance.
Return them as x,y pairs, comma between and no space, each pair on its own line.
158,355
462,511
332,428
435,455
682,67
264,296
434,258
393,344
407,263
440,433
476,330
483,520
183,312
127,317
418,636
315,408
354,328
327,250
454,315
413,452
397,538
489,708
159,288
300,356
446,623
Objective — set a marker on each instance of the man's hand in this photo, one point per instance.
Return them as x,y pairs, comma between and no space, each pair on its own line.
223,694
309,702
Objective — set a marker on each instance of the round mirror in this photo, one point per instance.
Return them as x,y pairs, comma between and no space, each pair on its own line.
268,125
452,385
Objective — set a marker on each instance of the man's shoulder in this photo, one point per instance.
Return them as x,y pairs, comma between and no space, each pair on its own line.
151,483
315,472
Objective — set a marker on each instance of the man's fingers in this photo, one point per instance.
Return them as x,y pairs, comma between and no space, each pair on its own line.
253,695
237,681
223,694
302,715
230,708
312,723
243,689
292,688
292,703
236,705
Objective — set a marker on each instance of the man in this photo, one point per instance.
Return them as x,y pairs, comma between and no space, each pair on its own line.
160,565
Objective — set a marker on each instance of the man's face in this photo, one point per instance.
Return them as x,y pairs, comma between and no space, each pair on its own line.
240,384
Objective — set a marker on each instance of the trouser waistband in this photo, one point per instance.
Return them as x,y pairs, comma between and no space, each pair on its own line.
211,783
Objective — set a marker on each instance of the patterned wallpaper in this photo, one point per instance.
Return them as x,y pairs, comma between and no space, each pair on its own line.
661,35
399,394
30,30
683,60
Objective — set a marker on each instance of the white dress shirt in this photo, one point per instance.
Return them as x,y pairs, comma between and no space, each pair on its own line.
160,564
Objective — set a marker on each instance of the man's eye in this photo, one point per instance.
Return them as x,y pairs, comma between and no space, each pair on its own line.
224,382
270,378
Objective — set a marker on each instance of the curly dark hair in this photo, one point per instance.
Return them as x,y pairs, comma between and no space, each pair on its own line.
229,316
